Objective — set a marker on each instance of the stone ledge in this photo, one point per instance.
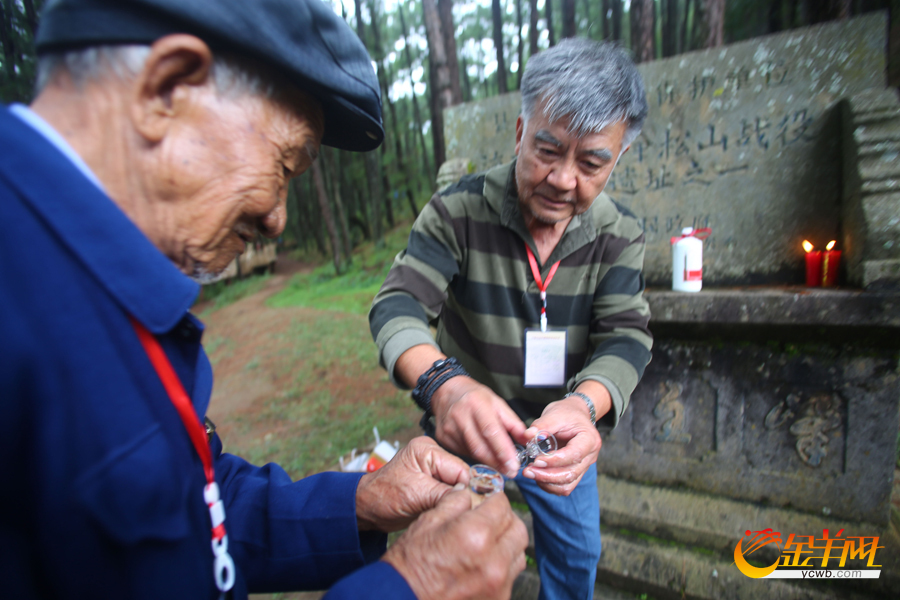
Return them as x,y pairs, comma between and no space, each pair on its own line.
667,572
802,306
715,524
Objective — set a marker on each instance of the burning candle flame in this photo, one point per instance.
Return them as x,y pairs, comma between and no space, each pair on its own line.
830,245
807,246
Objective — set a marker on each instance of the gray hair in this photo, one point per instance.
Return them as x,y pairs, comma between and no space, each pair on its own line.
232,76
594,84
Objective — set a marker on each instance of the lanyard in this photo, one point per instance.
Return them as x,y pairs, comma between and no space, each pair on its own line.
223,567
542,286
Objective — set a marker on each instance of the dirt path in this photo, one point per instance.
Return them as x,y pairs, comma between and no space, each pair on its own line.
252,361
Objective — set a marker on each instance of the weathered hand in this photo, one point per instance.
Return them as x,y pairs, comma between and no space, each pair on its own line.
453,552
471,420
411,483
579,444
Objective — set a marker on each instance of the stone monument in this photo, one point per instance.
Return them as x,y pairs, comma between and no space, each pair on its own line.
746,140
766,404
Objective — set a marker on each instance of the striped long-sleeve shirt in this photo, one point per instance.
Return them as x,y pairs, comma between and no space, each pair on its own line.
465,270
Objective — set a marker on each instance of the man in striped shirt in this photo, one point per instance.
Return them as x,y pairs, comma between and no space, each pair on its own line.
478,258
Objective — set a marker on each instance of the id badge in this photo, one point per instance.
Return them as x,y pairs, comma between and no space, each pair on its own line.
545,358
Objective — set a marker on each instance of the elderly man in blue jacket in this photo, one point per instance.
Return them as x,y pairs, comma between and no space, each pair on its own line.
161,141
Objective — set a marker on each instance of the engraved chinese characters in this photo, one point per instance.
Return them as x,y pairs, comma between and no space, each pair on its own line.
744,139
811,422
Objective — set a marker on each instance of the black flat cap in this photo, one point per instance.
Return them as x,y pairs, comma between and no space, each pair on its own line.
303,40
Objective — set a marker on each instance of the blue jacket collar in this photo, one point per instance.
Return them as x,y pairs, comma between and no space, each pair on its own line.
142,279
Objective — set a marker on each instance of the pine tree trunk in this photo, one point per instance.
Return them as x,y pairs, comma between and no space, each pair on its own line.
592,24
417,114
642,14
464,73
715,23
386,99
388,196
532,28
549,14
844,8
329,159
315,219
606,9
376,194
448,29
498,46
294,208
617,20
670,28
442,90
409,176
568,18
684,44
521,45
325,209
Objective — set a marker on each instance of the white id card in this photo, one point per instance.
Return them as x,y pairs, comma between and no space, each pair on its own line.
545,358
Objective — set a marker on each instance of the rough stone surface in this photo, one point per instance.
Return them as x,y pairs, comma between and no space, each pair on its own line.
670,572
777,306
744,139
871,203
810,426
878,272
717,524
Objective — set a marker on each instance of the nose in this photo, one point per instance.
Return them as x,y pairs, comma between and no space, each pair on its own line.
563,176
273,223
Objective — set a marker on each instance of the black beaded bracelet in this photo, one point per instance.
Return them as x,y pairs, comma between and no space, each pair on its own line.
433,378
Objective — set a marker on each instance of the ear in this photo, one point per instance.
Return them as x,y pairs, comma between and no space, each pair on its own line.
520,129
176,64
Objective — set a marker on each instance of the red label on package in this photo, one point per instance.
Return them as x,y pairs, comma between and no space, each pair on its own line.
693,275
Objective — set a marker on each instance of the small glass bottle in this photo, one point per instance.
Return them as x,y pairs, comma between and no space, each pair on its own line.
543,444
483,482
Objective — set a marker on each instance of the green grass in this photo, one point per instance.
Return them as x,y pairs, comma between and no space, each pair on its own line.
223,293
318,429
351,291
325,437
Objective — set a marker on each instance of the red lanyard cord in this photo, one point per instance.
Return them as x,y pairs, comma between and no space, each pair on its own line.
542,286
223,568
179,398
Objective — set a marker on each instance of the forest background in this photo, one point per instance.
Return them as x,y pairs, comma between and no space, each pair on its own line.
432,54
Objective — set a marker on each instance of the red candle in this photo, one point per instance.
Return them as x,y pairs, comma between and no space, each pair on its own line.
831,263
813,265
